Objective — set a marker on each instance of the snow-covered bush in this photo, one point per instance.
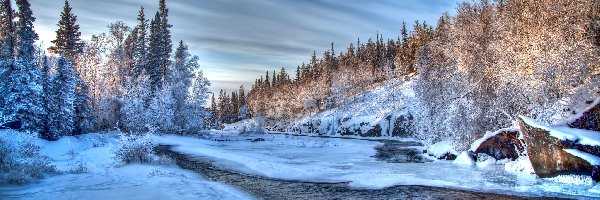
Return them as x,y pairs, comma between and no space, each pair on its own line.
20,159
135,148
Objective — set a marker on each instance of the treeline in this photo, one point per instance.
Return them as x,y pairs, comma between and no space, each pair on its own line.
474,72
228,108
326,80
127,79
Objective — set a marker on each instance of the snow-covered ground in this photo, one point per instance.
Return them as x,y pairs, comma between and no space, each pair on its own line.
278,156
103,178
350,160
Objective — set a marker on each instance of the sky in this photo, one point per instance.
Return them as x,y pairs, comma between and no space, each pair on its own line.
239,40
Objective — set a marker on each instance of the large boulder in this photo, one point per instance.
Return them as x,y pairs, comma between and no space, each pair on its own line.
589,118
502,144
547,155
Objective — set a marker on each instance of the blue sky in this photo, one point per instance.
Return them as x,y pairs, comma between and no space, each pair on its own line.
238,40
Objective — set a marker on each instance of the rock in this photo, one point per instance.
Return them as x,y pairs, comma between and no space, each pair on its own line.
502,144
402,126
589,118
547,156
258,140
401,152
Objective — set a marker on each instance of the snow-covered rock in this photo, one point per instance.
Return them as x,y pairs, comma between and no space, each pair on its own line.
545,147
464,158
588,119
443,150
501,144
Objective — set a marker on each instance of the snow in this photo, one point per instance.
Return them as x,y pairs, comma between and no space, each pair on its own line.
581,136
463,159
521,165
317,159
488,135
580,114
441,148
102,178
592,159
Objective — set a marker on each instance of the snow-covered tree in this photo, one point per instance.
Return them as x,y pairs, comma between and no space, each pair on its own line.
62,111
67,42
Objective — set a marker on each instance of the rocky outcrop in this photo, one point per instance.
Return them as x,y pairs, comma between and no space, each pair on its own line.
547,155
502,144
589,119
358,126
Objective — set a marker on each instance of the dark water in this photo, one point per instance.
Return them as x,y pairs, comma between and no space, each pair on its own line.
268,188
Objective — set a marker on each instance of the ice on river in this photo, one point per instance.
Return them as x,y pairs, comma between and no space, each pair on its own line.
350,160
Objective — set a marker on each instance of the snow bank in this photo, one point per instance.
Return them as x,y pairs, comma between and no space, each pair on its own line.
581,136
464,159
441,148
91,172
521,165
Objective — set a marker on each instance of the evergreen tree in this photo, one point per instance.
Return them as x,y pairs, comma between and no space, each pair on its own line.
153,67
84,120
235,107
62,109
67,42
140,44
26,36
7,40
7,31
165,39
23,100
214,112
243,107
46,82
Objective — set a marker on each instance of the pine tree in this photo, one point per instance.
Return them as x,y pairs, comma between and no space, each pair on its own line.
153,67
243,107
46,82
140,44
62,111
7,31
214,112
84,120
165,39
235,106
26,36
181,78
7,40
67,42
23,100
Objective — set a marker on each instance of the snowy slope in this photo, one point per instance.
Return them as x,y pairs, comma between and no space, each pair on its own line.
374,113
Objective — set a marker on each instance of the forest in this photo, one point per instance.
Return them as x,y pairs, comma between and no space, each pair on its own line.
128,78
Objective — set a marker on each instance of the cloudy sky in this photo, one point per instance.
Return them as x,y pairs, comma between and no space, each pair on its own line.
238,40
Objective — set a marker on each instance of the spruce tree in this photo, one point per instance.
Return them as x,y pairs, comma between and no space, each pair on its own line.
67,42
140,44
7,31
7,41
23,100
153,67
26,36
165,39
62,111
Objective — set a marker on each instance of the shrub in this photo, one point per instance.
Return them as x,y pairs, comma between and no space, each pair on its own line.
20,159
135,148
